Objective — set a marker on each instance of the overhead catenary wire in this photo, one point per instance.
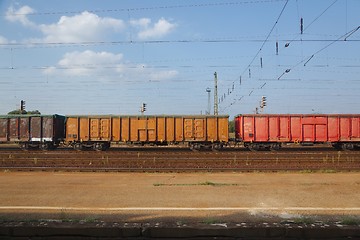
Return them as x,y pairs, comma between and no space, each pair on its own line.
263,44
198,5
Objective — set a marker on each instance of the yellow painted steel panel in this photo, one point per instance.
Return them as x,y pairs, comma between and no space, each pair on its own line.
105,128
125,129
223,129
170,129
94,129
134,129
151,128
115,130
199,129
72,133
84,129
161,137
211,129
179,129
188,129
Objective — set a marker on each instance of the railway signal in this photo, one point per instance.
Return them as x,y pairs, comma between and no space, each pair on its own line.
143,108
263,102
22,105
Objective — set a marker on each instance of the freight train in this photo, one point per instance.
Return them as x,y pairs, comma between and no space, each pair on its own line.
253,131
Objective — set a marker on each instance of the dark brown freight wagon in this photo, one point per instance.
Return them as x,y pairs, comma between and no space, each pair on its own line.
32,131
99,132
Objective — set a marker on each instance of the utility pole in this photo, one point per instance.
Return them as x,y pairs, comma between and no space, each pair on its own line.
208,90
216,105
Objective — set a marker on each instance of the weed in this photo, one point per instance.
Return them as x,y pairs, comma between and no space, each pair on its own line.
304,220
350,221
210,221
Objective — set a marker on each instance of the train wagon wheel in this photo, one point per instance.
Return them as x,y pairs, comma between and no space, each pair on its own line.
275,146
99,146
348,146
78,146
45,146
24,146
217,146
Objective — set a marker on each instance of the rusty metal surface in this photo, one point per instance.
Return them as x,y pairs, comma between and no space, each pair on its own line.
31,128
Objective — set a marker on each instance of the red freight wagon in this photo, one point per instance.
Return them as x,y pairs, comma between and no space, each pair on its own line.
271,130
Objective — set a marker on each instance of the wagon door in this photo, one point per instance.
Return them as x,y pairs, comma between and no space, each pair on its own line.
308,133
105,129
199,129
94,129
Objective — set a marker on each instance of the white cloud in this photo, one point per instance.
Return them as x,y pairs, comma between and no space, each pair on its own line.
3,40
87,26
90,63
20,15
84,63
83,27
161,28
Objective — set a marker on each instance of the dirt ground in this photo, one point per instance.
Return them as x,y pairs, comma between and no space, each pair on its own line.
179,197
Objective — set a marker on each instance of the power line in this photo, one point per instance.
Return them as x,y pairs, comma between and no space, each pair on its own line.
263,44
218,4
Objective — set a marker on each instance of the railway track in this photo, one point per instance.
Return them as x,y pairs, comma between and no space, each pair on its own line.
164,160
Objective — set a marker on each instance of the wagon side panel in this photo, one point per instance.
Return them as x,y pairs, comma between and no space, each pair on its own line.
179,129
4,130
72,129
47,128
24,129
84,129
212,129
355,128
170,129
116,129
222,129
157,134
333,129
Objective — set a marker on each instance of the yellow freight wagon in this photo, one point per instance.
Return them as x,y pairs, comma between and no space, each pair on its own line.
99,131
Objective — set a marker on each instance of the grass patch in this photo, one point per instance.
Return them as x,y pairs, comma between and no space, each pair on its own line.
210,221
206,183
350,221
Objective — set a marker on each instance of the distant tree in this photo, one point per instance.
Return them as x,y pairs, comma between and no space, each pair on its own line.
232,126
36,112
23,112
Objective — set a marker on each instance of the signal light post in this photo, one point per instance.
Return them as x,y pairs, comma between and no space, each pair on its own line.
22,105
143,108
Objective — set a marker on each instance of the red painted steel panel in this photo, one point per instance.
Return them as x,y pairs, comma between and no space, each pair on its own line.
355,128
261,129
333,129
295,129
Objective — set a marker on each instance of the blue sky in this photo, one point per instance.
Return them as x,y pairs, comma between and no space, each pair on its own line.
109,57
